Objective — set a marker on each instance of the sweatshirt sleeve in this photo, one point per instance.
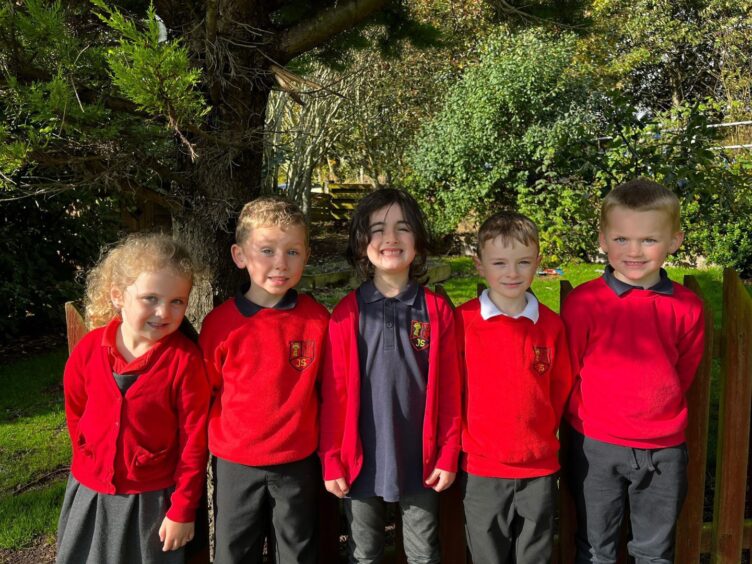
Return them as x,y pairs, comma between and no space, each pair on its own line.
74,391
562,378
691,347
211,355
576,331
333,397
450,385
192,401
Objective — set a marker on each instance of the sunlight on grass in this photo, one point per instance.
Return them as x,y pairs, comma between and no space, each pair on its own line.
29,515
33,442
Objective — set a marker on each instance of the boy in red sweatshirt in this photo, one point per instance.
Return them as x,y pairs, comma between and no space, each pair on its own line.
517,380
636,339
262,350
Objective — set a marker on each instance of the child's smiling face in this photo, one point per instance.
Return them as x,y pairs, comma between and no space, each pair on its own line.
152,307
509,270
637,243
274,258
391,245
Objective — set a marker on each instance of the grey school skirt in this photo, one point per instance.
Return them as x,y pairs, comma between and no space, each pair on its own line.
97,528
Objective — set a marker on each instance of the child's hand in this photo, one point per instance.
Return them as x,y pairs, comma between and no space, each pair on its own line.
337,487
174,535
440,480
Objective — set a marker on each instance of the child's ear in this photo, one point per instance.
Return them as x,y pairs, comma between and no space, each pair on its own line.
537,262
602,241
116,295
238,257
676,241
478,265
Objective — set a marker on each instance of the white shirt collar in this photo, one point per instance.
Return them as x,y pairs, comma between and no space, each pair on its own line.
488,309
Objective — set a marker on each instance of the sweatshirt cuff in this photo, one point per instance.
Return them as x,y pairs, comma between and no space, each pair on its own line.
332,467
448,458
181,513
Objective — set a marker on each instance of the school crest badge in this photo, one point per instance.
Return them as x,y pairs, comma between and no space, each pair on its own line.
542,360
420,334
301,354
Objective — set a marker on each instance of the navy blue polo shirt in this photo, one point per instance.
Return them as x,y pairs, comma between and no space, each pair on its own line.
663,286
393,345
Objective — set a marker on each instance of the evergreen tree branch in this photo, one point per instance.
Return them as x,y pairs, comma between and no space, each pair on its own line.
317,30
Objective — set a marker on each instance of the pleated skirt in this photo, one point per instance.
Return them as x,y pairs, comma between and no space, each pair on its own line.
96,528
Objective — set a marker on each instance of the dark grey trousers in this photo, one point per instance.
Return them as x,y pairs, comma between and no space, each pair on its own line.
243,498
420,528
508,520
604,477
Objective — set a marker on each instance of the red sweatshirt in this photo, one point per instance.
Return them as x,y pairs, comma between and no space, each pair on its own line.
152,438
263,370
635,357
340,448
517,379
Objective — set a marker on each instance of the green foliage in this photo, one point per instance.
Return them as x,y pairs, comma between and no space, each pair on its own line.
155,73
680,150
503,129
61,235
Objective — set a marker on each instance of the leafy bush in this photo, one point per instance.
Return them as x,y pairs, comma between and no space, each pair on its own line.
509,116
46,243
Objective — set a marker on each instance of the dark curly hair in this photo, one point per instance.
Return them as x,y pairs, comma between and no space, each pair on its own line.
360,231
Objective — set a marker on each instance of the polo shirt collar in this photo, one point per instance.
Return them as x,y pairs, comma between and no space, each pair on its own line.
488,309
369,293
249,309
664,285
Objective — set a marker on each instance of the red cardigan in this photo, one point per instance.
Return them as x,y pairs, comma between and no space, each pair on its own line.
152,438
264,370
634,358
517,380
340,448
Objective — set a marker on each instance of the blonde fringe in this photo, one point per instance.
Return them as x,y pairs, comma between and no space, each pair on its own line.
121,265
266,211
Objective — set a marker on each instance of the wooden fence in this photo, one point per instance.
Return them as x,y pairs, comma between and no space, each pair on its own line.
338,202
729,532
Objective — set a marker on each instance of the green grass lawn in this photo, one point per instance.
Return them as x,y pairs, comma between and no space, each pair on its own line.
34,448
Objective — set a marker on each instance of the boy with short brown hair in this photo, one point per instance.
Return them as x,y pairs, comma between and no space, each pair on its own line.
262,351
517,379
636,339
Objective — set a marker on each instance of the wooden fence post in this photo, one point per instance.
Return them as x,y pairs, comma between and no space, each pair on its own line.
74,324
734,422
564,553
689,527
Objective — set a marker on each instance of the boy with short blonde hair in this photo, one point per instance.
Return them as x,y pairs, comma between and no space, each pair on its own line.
517,379
262,351
636,339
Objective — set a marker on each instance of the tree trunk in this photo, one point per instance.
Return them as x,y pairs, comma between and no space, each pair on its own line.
222,180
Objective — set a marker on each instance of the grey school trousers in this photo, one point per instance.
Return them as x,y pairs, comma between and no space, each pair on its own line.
604,477
420,528
508,520
245,495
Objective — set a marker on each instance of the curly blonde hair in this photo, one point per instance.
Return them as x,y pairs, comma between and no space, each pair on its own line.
121,265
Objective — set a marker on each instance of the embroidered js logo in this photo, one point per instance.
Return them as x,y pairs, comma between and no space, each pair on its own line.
301,354
542,361
420,335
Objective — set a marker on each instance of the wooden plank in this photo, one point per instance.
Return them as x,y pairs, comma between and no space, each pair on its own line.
734,422
74,324
707,537
565,548
689,526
